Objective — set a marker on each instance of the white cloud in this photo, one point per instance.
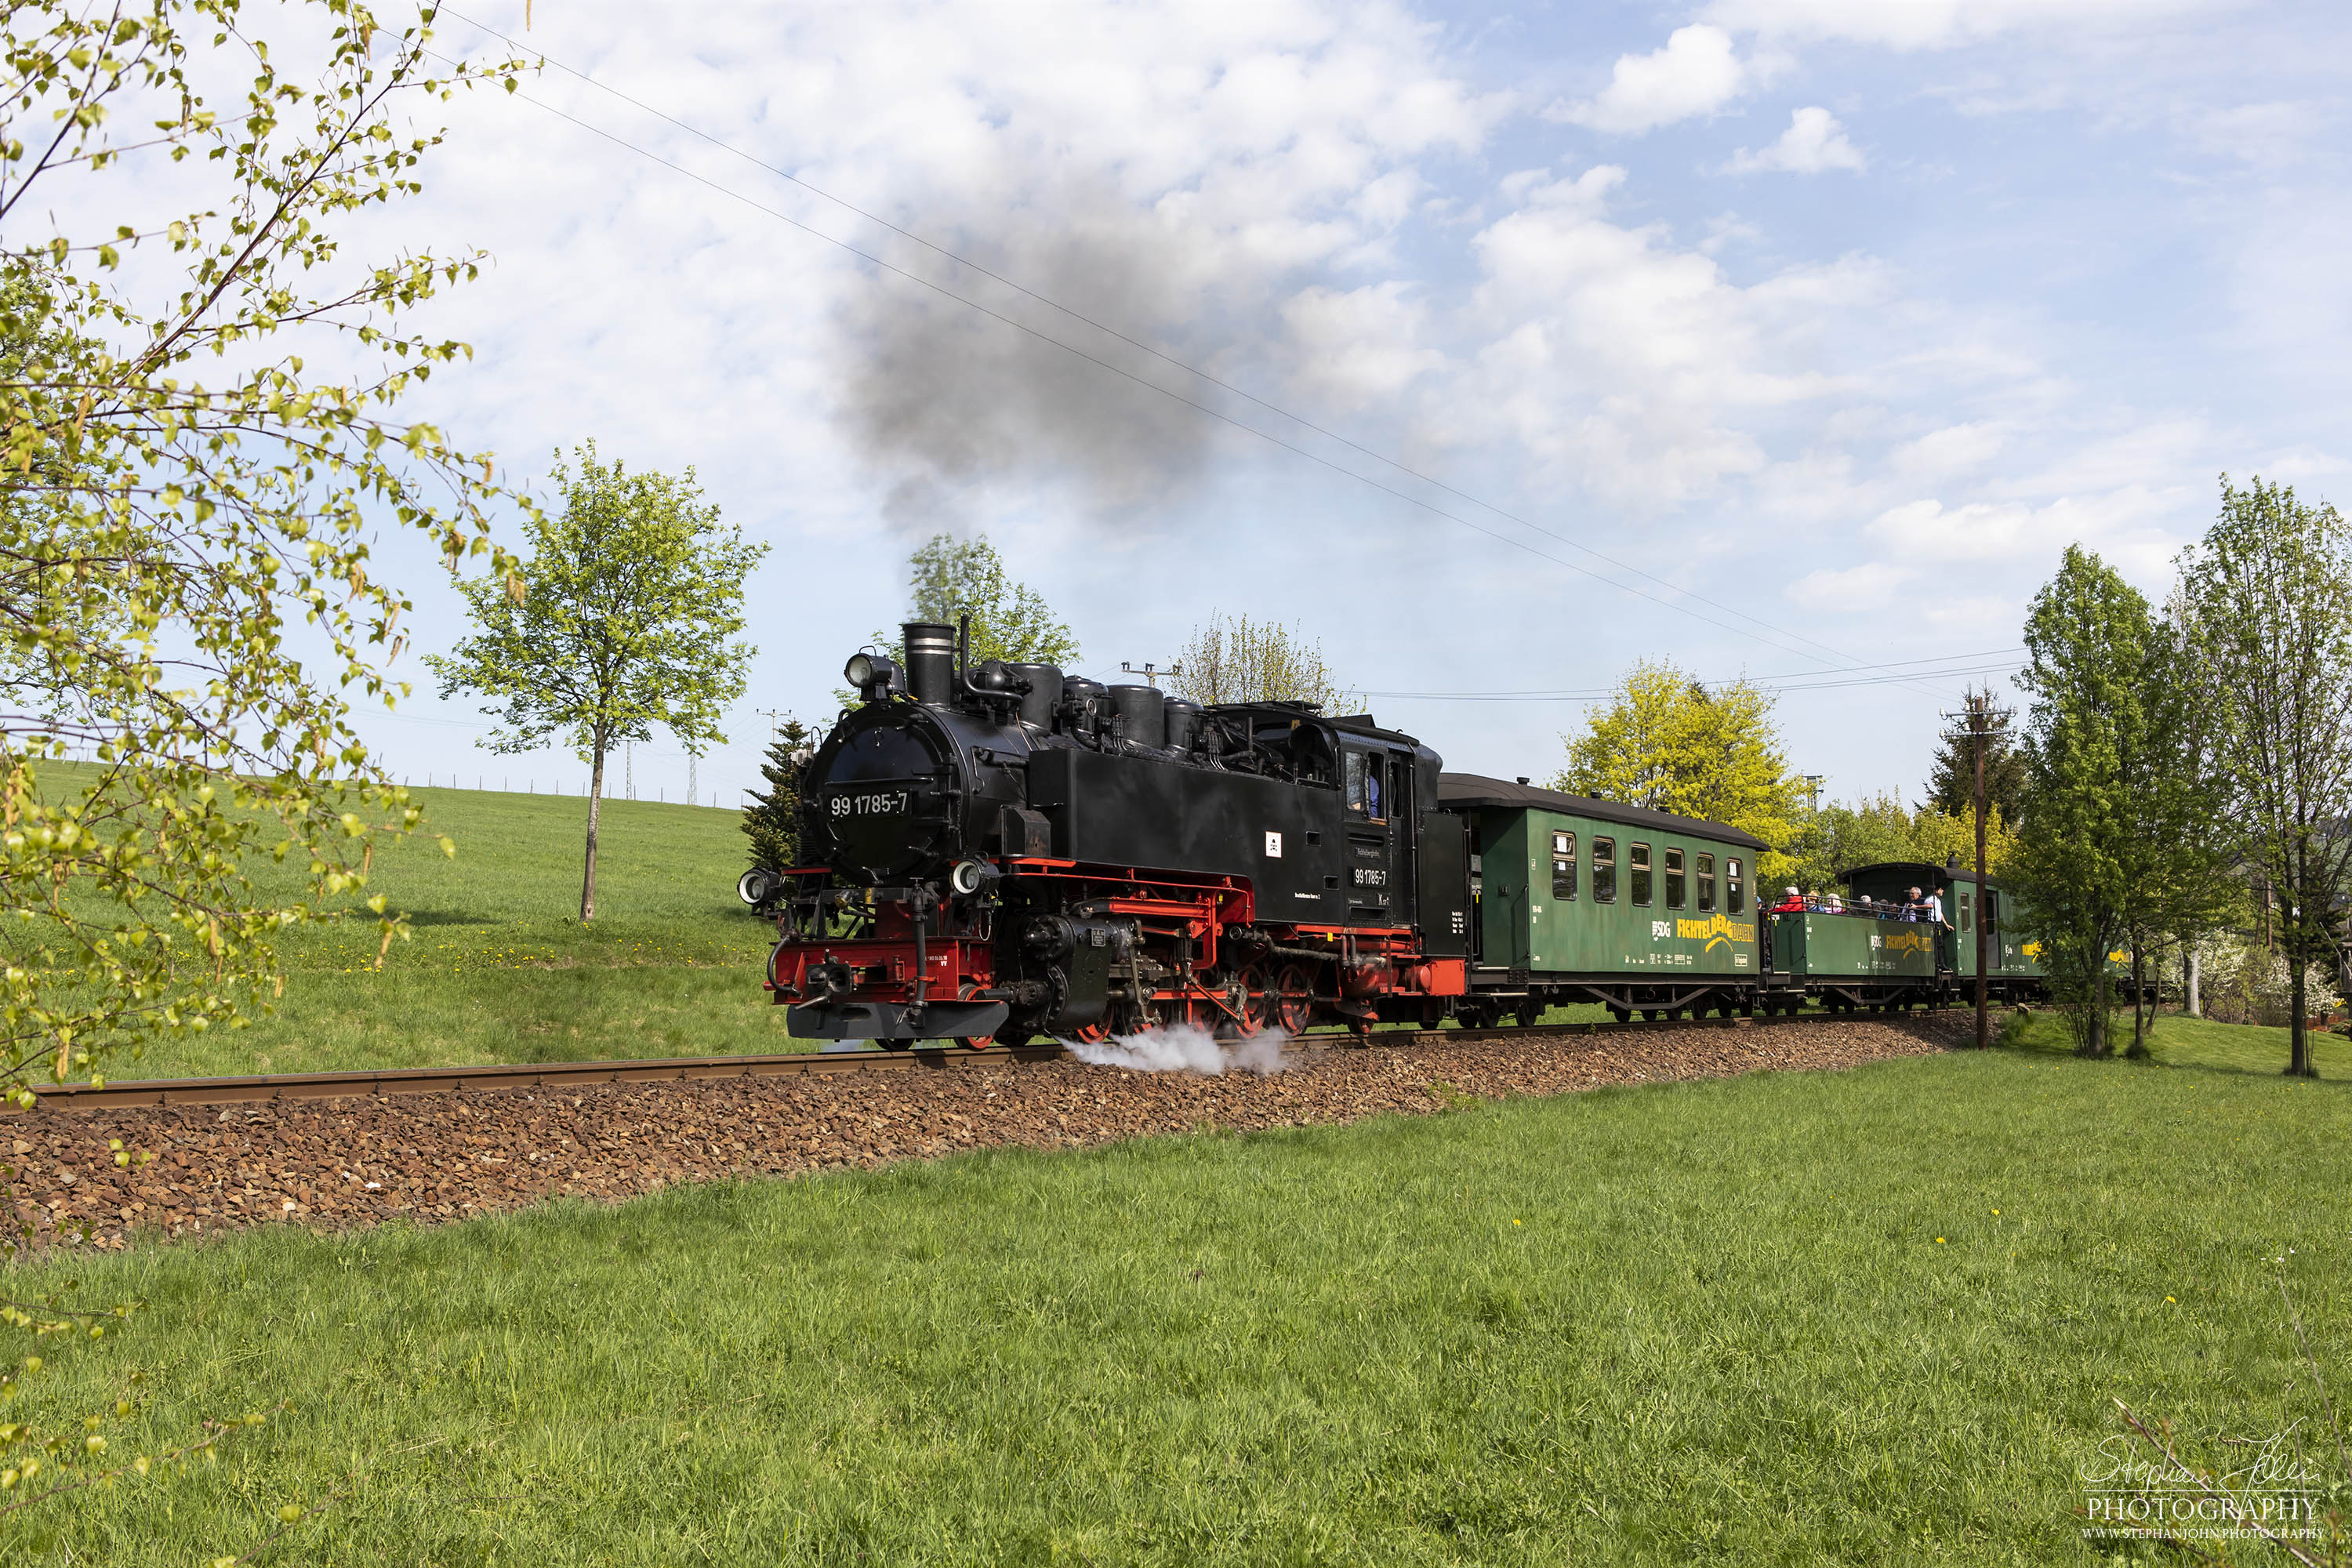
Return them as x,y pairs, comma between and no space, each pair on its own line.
1853,590
1931,23
1355,348
1948,453
1813,143
1695,73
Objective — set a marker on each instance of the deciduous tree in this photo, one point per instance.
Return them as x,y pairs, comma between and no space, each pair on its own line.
2267,603
1667,742
2118,844
949,578
1231,658
626,616
177,487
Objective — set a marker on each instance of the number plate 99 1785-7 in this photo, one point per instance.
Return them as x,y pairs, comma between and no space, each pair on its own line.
870,802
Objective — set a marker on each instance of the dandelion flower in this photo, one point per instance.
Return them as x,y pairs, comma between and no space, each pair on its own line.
1939,1241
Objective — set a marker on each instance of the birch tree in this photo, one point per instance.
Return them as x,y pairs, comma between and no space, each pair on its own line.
179,493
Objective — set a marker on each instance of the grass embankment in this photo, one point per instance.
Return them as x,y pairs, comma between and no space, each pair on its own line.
1876,1316
498,967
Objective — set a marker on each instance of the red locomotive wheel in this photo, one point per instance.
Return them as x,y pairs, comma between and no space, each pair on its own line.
1291,1003
1244,1014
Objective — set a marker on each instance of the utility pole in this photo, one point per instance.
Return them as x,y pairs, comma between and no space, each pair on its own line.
1983,722
1149,672
1812,783
775,718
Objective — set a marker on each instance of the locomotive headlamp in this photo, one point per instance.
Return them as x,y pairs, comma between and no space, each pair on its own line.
871,673
968,877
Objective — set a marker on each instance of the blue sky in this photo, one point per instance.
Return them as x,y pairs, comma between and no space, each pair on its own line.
1830,322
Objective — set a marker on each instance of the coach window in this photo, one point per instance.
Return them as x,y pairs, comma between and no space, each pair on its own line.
1674,879
1563,864
1705,884
1734,892
1637,866
1604,870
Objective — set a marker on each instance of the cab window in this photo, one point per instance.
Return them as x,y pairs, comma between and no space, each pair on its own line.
1356,772
1705,884
1674,879
1637,866
1604,870
1563,864
1735,892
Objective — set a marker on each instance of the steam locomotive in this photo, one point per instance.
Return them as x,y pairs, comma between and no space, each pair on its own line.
1002,851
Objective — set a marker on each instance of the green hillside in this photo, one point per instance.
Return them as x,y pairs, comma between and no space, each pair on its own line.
498,968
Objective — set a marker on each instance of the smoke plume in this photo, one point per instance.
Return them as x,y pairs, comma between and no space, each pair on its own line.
1185,1047
942,399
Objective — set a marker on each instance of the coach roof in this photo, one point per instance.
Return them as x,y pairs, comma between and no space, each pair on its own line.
1477,789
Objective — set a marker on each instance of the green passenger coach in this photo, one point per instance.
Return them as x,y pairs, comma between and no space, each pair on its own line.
1575,899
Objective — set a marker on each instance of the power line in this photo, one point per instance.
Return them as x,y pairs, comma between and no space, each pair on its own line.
1901,671
1593,694
1144,348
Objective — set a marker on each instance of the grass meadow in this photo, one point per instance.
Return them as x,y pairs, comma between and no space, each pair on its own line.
1878,1316
498,967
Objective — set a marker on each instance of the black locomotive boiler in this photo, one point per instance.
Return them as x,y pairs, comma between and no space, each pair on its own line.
1001,851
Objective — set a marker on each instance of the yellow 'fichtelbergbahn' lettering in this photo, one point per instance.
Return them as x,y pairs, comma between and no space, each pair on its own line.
1715,930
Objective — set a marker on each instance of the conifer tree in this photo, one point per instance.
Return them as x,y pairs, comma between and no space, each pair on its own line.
1952,780
773,820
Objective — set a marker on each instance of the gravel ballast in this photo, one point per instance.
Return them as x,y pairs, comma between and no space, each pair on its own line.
432,1157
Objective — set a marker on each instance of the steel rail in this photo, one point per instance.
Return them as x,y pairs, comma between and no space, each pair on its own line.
383,1082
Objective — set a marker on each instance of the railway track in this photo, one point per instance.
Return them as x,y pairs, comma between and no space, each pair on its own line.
389,1081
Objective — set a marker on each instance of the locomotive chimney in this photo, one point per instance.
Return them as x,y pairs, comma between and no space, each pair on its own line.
930,661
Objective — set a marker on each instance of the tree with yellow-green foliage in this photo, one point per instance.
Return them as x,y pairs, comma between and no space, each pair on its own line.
1837,837
1937,836
1665,742
208,363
